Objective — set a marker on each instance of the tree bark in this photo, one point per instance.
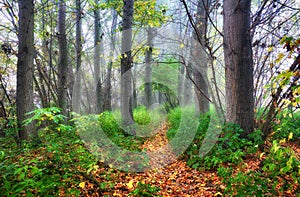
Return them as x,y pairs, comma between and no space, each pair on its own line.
238,64
77,84
126,63
148,74
97,60
63,58
187,90
107,92
200,57
25,66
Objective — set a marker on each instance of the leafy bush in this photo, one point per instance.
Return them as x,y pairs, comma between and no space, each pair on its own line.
289,126
146,190
251,183
109,124
183,128
174,118
39,171
278,175
141,115
109,143
230,147
147,121
103,127
282,161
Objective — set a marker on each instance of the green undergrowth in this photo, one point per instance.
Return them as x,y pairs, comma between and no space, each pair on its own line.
145,190
55,165
64,158
227,146
278,172
278,175
115,144
288,126
109,125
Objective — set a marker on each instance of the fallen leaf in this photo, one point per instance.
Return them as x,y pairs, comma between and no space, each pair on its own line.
82,185
130,184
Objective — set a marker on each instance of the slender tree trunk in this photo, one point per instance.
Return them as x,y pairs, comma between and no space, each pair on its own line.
77,85
25,69
97,59
148,74
181,67
238,64
187,90
40,84
134,96
200,57
43,68
107,93
63,58
126,63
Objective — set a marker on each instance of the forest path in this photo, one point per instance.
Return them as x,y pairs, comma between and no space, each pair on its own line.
172,175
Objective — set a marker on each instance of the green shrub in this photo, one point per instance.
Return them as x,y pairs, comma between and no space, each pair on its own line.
289,126
108,123
104,129
279,173
141,115
282,161
230,148
39,171
146,190
147,121
183,128
251,183
174,118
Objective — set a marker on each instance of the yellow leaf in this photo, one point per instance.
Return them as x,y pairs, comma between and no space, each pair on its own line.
290,136
280,56
283,141
130,184
270,49
181,45
218,194
82,185
261,155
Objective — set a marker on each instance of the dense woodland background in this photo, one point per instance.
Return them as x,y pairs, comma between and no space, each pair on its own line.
150,98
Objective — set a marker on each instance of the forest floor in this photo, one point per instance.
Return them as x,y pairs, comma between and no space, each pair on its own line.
175,179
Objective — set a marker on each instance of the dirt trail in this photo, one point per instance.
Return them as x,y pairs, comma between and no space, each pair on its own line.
176,178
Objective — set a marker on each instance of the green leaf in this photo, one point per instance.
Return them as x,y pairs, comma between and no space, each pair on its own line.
34,170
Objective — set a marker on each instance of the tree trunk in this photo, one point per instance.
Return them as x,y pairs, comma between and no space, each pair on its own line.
63,58
126,63
107,93
77,85
97,59
148,74
25,69
238,64
200,57
187,86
